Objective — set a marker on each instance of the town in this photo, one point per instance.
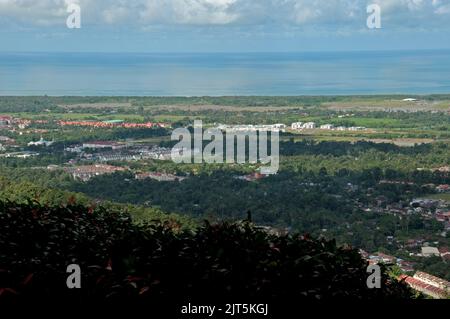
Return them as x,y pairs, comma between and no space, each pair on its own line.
379,183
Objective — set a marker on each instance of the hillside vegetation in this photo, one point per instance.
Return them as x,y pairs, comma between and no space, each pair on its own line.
121,259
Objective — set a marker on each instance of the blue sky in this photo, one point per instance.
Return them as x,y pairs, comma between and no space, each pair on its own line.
223,25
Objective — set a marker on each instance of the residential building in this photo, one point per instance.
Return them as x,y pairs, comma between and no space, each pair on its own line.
41,142
430,251
5,120
160,177
297,125
327,127
103,145
85,173
433,280
425,287
309,126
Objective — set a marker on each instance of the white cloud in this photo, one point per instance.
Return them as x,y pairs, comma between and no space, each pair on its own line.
333,14
189,12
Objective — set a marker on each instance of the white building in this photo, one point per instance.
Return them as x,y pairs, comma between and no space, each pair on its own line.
103,144
327,127
252,128
356,128
41,142
430,252
297,125
309,126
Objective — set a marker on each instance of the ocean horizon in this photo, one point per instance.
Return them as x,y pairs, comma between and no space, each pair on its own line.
225,74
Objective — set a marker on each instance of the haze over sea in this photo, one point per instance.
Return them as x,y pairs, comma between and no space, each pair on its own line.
218,74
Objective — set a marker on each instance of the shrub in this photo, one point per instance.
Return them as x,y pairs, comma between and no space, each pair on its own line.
160,261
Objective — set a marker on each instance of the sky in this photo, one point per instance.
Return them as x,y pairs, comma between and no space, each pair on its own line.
222,25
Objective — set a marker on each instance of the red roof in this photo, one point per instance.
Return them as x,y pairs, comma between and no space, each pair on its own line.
422,286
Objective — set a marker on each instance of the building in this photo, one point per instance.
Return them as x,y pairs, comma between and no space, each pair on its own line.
309,126
85,173
160,177
74,149
426,284
6,140
433,280
5,120
41,142
252,177
357,128
445,253
430,252
297,125
112,124
103,145
24,154
405,266
252,128
387,259
327,127
443,188
409,100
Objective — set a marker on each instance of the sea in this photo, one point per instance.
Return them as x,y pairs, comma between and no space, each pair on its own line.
225,74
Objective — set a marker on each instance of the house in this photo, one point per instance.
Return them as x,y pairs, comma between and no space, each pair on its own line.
41,142
309,126
445,253
252,177
443,188
24,154
327,127
160,177
5,120
6,140
406,266
357,128
424,285
442,216
430,251
364,254
387,259
103,145
433,280
112,123
74,149
85,173
409,100
297,125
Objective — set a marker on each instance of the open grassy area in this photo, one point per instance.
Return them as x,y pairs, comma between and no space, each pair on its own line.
444,196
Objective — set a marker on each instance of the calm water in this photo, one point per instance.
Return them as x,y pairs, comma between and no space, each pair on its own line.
225,74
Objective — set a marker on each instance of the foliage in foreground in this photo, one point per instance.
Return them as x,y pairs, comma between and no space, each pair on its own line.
120,259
